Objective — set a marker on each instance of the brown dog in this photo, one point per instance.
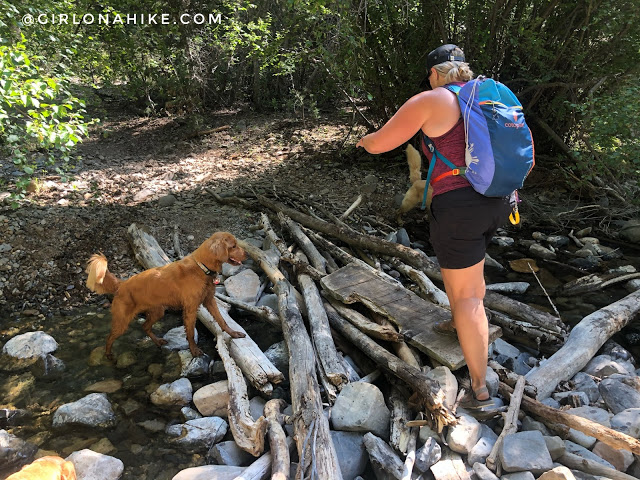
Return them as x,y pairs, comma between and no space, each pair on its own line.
181,285
46,468
416,191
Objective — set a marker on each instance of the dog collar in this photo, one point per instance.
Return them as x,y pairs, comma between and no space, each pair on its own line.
206,270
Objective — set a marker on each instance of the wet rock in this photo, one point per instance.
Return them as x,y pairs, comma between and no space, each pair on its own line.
126,359
98,357
621,459
212,399
189,413
92,465
503,241
584,453
428,455
558,241
628,422
229,453
174,393
525,451
15,451
558,473
278,354
539,251
193,366
360,407
199,434
177,339
48,366
619,396
589,263
103,446
595,414
105,386
30,344
210,472
462,437
244,286
154,426
350,451
94,410
603,366
630,231
448,383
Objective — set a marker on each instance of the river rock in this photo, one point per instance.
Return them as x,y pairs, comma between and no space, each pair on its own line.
500,347
92,465
256,407
269,300
603,366
630,231
539,251
558,473
14,451
448,383
360,407
199,434
210,472
212,399
584,453
481,450
193,366
573,398
229,453
483,473
518,476
351,454
584,383
558,241
493,382
244,286
48,366
525,451
94,410
621,459
428,455
30,344
177,339
174,393
462,437
595,414
278,354
556,447
619,396
628,422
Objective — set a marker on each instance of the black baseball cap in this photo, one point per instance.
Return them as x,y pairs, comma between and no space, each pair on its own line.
444,53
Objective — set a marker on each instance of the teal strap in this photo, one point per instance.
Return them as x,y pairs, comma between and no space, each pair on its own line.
436,155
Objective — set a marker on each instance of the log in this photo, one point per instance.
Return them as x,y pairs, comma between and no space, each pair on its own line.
510,378
281,462
520,310
400,434
247,433
427,287
414,258
508,287
362,323
410,460
576,462
315,447
261,468
430,392
594,282
606,435
583,342
538,337
252,361
263,312
510,425
310,250
383,458
320,331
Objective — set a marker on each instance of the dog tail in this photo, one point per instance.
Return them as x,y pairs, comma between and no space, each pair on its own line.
100,279
415,163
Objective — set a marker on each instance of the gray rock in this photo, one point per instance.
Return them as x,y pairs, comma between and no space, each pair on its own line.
428,455
278,354
500,347
210,472
588,263
229,453
621,459
630,231
269,300
483,473
584,383
632,285
529,424
48,366
92,465
14,451
189,413
199,434
503,241
30,344
175,393
539,251
584,453
573,398
525,451
193,366
360,407
426,433
403,237
595,414
448,383
558,473
351,453
229,270
619,396
509,287
256,407
556,447
166,201
558,241
462,437
94,410
518,476
603,366
493,382
628,422
177,339
244,286
550,402
480,451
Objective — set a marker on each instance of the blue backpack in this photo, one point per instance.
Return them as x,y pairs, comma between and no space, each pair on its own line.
499,150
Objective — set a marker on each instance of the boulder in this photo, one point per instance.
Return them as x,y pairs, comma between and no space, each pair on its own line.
351,454
30,344
595,414
229,453
199,434
175,393
584,453
619,396
92,465
621,459
428,455
177,339
94,410
463,436
212,399
628,422
360,407
244,286
603,366
210,472
14,451
525,451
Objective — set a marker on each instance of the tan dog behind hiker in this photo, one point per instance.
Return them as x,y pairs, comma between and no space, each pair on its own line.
181,285
415,193
46,468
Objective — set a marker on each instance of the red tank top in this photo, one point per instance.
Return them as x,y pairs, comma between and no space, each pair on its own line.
452,146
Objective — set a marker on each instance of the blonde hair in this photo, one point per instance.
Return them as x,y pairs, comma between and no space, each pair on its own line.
454,71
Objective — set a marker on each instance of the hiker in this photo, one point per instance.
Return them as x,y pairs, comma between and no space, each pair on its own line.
463,221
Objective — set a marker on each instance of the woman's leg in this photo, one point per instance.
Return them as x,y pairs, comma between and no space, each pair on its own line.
465,288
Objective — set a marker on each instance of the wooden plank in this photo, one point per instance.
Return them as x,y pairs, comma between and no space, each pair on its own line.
413,315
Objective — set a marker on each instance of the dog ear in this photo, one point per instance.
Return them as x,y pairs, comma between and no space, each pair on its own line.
220,250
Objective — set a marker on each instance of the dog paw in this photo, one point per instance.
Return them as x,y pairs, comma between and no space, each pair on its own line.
235,334
195,351
161,341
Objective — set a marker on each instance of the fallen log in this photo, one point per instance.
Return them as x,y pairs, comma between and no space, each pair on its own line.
261,468
576,462
315,447
383,458
279,447
520,310
252,361
525,333
410,460
247,433
263,312
362,323
311,252
430,392
414,258
594,282
427,287
583,342
606,435
400,434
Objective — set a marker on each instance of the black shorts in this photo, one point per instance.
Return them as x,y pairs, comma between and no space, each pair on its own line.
462,225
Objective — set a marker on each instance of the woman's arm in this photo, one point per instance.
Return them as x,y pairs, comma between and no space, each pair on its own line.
401,127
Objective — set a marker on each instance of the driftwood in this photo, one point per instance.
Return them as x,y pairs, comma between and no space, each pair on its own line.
427,287
311,427
520,310
509,287
583,342
310,250
247,433
431,395
510,426
263,312
362,323
576,462
399,432
534,336
254,364
383,458
321,332
546,414
281,463
410,460
510,378
261,468
594,282
413,257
